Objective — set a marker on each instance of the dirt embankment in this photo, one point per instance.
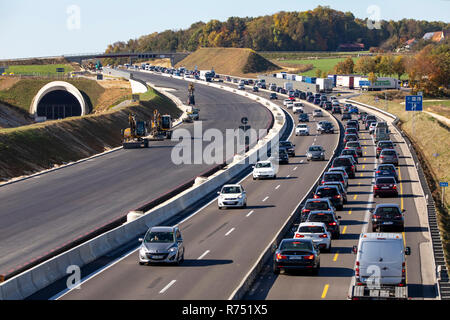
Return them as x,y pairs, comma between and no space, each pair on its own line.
232,61
37,147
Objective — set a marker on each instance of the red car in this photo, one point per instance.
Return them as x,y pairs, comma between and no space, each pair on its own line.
385,186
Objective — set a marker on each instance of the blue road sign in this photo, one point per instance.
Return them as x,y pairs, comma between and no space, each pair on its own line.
413,103
364,83
443,184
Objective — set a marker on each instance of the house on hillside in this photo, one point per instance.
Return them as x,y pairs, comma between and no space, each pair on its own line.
407,45
351,47
436,36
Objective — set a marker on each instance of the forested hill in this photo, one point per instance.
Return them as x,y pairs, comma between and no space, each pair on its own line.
321,29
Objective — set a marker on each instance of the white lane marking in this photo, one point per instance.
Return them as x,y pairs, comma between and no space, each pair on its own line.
301,161
231,230
265,199
295,168
168,286
203,255
250,213
288,176
276,188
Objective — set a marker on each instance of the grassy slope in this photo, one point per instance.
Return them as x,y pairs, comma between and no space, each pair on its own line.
430,137
36,147
21,93
233,61
41,69
325,64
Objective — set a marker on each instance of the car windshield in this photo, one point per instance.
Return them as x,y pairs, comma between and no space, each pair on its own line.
160,237
302,126
326,192
311,229
296,245
320,217
316,205
385,180
231,190
315,148
286,144
263,165
326,125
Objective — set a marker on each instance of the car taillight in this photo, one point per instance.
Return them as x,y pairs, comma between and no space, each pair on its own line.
376,187
305,210
342,181
357,269
381,157
323,235
378,171
332,224
376,216
299,236
337,196
316,196
280,256
310,257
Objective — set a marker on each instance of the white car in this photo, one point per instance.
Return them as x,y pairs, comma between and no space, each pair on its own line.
232,195
302,130
298,107
372,127
264,169
286,101
290,105
317,231
317,113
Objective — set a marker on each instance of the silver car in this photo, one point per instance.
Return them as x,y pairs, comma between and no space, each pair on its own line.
389,156
315,153
162,245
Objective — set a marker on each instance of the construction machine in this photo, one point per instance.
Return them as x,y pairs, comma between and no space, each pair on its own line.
161,126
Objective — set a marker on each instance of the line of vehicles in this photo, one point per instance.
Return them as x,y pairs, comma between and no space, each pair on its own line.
380,267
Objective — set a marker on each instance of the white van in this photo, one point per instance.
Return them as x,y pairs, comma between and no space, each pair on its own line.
380,267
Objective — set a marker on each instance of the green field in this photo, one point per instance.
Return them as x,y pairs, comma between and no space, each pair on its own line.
46,69
325,64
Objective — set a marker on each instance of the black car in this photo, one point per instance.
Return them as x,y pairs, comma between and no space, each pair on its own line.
332,193
350,152
296,254
340,186
282,156
332,176
273,95
386,170
303,117
329,219
346,116
326,127
346,163
289,146
316,101
385,186
310,99
350,137
387,216
255,89
302,95
336,109
315,205
351,130
283,91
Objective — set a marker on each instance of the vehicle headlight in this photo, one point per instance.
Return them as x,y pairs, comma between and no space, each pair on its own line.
173,249
240,197
321,153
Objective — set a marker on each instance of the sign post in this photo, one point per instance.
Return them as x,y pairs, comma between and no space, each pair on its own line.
413,103
443,185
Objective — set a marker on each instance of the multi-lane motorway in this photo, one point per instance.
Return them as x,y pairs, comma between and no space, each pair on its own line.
40,214
223,245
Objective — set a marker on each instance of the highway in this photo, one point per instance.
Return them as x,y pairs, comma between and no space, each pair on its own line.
221,245
43,213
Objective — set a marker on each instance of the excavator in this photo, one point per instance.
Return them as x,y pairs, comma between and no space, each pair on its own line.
139,133
193,114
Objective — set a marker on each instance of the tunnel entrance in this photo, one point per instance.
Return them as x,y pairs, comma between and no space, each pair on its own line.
58,104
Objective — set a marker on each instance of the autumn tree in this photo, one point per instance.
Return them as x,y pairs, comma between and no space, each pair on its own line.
344,67
398,66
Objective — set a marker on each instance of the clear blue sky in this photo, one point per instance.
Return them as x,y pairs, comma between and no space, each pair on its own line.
31,28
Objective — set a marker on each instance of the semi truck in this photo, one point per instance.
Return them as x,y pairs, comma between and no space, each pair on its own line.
325,84
206,75
380,267
382,83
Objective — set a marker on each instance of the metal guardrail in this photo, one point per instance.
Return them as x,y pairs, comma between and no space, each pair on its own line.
436,237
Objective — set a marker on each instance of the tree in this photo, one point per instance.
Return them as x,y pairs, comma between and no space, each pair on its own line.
372,77
385,66
398,66
365,65
344,67
318,73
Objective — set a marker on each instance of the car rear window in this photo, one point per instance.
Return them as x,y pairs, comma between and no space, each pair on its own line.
296,245
316,205
341,162
389,152
320,217
384,251
388,210
311,229
335,176
385,180
326,192
385,144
